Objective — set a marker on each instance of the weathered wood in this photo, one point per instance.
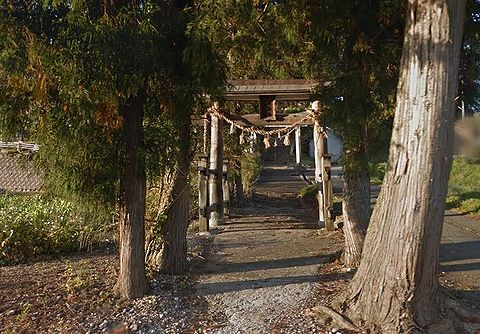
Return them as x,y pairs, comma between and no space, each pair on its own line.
319,150
203,193
298,144
395,289
273,108
327,191
221,206
284,90
226,189
215,172
318,143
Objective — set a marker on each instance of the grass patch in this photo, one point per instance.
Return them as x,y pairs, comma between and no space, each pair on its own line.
34,226
464,187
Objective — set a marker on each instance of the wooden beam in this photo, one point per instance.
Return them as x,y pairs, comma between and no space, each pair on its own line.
298,144
284,90
327,191
318,143
323,178
215,172
226,189
203,193
273,108
282,120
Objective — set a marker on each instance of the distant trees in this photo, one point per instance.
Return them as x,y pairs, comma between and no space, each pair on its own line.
395,289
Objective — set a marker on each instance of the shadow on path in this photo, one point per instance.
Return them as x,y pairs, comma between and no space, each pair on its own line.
208,288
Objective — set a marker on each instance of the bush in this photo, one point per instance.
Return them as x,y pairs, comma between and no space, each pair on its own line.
309,193
250,169
32,226
377,171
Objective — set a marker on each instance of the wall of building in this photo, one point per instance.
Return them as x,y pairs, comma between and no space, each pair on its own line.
335,146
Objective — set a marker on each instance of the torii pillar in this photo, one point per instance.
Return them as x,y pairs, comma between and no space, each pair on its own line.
322,174
298,144
215,197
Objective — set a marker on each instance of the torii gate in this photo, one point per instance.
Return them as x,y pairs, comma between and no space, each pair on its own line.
212,181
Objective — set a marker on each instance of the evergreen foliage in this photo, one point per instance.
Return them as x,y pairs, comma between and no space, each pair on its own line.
469,88
66,68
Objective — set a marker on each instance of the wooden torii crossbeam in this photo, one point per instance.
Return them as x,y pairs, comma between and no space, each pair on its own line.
282,90
212,172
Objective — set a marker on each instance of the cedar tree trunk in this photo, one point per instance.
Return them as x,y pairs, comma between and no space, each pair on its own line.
173,259
395,289
154,242
131,279
356,213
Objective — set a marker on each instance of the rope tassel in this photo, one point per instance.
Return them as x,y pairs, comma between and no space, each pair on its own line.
232,129
286,140
242,138
266,141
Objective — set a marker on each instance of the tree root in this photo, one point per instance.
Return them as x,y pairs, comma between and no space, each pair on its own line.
337,318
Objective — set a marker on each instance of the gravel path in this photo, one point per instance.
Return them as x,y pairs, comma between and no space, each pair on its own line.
262,273
460,257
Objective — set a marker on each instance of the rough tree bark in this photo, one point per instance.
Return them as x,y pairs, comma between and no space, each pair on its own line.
356,212
131,279
173,259
154,243
395,289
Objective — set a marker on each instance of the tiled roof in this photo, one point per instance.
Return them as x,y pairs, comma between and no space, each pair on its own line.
17,173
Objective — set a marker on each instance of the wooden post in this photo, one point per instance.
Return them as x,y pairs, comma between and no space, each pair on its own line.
319,148
203,193
298,146
215,172
327,192
226,189
273,107
221,207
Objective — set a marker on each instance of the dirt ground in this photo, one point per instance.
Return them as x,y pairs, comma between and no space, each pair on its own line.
260,273
270,264
58,296
75,294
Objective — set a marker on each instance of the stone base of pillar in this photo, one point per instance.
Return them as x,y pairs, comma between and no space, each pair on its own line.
215,221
